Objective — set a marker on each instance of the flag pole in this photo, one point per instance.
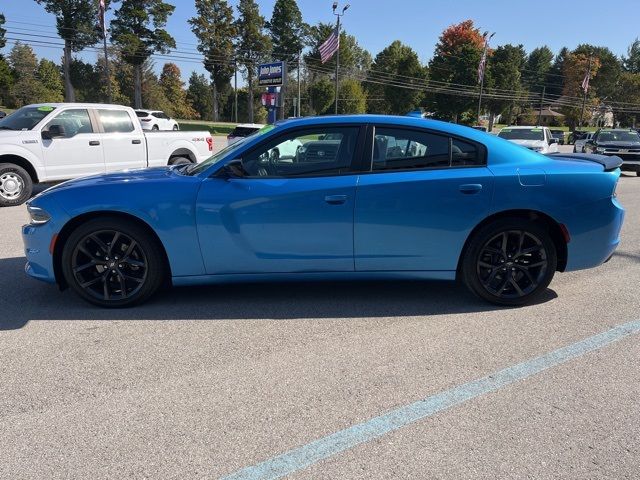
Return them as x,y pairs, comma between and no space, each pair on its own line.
484,66
337,63
102,15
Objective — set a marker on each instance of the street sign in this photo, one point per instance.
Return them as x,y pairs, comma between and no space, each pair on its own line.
272,74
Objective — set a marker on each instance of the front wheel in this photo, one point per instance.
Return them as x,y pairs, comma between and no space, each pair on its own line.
112,262
15,185
509,262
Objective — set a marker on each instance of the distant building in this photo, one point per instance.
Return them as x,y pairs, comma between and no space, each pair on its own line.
548,117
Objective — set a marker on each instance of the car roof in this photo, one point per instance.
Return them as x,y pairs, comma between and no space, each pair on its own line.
249,125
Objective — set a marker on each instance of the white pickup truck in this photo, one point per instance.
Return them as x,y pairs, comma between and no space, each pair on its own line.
59,141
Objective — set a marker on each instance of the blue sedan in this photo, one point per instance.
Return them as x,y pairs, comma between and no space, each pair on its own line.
360,197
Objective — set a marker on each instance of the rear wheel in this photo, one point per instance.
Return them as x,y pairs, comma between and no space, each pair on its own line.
113,262
155,128
637,174
15,185
176,127
509,262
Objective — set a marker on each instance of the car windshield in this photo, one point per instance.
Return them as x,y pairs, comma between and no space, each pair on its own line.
618,136
227,151
521,134
25,118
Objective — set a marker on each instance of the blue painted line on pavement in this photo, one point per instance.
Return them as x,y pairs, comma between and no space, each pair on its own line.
307,455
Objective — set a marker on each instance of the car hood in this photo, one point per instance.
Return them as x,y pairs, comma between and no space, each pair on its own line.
529,143
619,144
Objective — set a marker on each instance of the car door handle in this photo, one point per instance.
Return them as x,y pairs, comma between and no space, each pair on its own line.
335,199
94,143
136,142
470,188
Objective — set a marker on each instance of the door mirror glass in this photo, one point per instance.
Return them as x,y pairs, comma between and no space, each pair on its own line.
552,141
233,169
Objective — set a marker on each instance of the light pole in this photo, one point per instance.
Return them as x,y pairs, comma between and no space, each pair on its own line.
484,68
339,15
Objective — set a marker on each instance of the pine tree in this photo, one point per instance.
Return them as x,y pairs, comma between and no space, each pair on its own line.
173,87
198,93
138,29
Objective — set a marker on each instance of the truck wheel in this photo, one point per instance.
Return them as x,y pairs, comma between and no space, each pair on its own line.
15,185
637,174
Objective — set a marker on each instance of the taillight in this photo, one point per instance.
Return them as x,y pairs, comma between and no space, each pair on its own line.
210,143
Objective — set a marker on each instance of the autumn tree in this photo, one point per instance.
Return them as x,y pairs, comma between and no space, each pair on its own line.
400,63
138,29
216,32
253,45
455,61
173,87
76,23
576,66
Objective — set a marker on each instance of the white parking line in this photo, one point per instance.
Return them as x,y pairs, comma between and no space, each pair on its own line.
307,455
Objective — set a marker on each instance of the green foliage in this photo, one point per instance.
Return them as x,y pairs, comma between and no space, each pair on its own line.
632,60
537,67
554,79
6,81
173,88
322,95
216,31
288,30
353,58
199,94
628,92
353,98
504,73
76,21
3,40
28,87
50,78
609,71
397,59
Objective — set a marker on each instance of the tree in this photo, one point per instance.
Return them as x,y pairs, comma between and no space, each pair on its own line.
3,40
253,44
353,98
76,24
354,59
504,72
455,61
27,87
575,68
605,81
49,77
400,63
632,60
6,77
628,92
198,94
138,29
288,35
537,67
216,32
555,76
321,94
173,87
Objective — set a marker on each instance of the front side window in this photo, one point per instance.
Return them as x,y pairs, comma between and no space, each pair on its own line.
399,149
320,151
116,121
72,122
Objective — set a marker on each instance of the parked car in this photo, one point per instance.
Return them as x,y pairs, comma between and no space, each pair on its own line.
538,139
372,197
58,141
558,135
624,143
242,131
155,120
480,127
576,135
578,145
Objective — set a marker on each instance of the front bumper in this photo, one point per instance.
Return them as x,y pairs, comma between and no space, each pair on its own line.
38,239
630,165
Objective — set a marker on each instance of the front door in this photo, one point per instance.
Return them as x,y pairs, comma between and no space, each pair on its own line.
78,152
425,193
291,209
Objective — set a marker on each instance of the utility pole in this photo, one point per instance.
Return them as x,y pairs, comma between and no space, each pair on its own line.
483,66
544,88
299,81
339,15
585,88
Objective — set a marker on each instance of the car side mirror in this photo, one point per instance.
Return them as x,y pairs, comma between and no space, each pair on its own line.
54,131
233,169
552,141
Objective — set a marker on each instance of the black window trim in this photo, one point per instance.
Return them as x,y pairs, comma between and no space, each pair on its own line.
356,162
368,164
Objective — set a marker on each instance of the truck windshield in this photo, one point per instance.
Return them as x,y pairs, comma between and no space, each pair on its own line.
25,119
618,136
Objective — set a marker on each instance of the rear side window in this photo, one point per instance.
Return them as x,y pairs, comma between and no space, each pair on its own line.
399,149
116,121
465,154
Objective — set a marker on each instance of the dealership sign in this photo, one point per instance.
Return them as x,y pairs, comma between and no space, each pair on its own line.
272,74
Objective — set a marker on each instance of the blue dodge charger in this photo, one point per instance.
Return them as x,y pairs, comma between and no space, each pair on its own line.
349,197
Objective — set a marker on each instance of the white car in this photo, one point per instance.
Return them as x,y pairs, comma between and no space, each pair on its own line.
50,142
578,146
243,130
538,139
156,120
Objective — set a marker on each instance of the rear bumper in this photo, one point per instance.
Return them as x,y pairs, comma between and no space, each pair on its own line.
595,234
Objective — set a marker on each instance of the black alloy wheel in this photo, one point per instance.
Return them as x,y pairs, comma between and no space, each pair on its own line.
112,263
510,262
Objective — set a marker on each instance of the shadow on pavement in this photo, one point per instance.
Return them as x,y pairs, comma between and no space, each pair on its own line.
23,299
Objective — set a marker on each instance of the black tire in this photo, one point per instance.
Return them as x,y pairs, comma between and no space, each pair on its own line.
179,161
16,185
155,128
92,268
637,174
512,273
176,128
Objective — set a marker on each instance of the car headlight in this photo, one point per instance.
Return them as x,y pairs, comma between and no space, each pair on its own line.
37,216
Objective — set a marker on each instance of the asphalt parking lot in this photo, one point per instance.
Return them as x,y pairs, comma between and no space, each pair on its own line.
205,382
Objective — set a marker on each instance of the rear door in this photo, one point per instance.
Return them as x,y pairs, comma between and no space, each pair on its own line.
123,143
425,192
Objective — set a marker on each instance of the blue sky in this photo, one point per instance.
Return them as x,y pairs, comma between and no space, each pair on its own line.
418,23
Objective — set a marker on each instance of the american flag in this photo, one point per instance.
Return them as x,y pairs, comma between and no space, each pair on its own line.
585,82
330,46
483,61
101,17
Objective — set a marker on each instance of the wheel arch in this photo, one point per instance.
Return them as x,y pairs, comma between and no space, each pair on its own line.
21,162
183,152
555,230
72,224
